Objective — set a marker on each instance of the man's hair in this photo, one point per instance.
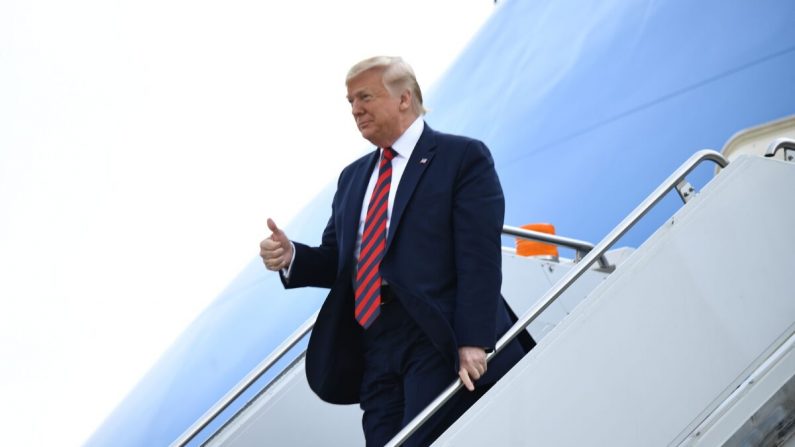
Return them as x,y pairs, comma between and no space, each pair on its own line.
397,77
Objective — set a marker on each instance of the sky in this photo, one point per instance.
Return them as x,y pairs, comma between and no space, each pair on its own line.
143,145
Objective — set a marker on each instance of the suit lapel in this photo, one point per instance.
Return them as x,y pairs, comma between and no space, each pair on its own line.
420,159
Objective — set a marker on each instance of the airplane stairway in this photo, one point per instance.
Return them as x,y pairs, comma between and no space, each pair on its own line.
689,342
653,353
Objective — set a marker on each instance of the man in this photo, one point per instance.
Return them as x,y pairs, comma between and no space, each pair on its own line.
411,254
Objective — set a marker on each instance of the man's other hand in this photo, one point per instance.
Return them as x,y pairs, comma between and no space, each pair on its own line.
276,251
473,365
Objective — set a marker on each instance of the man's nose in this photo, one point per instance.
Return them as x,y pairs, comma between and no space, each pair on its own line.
356,108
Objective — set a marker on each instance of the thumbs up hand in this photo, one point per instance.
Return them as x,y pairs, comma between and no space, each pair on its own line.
276,251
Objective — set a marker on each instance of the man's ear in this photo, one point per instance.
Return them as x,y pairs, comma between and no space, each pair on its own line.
405,100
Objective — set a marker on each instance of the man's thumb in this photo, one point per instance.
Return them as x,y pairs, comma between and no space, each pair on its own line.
272,226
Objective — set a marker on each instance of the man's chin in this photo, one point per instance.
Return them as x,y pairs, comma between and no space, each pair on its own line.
366,135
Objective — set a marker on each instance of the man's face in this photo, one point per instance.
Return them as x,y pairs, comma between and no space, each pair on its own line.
376,111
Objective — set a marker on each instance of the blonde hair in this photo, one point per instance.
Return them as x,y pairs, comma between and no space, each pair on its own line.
397,77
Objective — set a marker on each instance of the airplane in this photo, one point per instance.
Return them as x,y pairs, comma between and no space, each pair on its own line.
586,106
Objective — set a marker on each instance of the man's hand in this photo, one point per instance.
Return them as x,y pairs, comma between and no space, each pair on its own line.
276,251
473,365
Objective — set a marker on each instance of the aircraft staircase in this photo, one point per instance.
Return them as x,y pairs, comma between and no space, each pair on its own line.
687,340
683,345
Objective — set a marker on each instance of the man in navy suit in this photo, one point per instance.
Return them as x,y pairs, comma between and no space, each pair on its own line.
417,303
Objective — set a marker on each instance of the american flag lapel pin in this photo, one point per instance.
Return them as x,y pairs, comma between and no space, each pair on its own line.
423,161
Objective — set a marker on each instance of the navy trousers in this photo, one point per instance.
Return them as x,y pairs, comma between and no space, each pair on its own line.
403,373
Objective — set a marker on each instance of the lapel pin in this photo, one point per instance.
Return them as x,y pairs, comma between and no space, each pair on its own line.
423,161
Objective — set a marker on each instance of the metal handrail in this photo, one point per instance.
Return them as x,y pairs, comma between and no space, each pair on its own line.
563,284
580,247
780,143
244,384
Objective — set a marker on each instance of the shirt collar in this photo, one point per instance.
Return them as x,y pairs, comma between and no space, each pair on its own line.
404,145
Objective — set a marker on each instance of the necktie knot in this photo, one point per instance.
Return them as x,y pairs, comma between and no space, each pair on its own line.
389,153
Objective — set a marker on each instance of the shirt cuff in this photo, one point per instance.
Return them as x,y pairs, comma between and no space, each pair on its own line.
286,271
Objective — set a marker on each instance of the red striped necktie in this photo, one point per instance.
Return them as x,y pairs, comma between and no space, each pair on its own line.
368,277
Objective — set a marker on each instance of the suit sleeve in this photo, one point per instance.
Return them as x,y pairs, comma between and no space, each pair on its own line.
478,213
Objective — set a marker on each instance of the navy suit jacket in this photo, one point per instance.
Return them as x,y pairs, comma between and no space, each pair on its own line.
442,260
